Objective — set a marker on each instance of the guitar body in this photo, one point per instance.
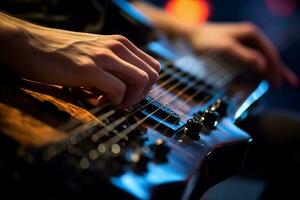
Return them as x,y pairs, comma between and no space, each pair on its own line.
177,143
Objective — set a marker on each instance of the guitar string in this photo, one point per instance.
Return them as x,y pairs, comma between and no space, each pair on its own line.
183,104
109,113
190,98
116,140
66,126
110,127
123,119
117,122
233,61
125,132
120,120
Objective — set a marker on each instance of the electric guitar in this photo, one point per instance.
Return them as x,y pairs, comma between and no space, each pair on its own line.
177,143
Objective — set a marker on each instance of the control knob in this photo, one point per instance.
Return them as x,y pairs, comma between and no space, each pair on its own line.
193,127
210,119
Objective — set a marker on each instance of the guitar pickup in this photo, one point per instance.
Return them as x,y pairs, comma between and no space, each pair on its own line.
164,113
158,113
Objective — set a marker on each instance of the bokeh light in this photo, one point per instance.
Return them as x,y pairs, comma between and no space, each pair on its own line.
282,7
192,11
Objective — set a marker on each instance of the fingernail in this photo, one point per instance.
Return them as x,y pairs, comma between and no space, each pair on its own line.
101,100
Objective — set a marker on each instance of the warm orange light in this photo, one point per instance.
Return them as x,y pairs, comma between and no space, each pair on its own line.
192,11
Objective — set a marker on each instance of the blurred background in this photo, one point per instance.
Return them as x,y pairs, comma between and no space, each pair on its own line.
271,170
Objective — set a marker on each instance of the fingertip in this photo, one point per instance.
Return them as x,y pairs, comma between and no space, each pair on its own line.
91,101
101,101
261,64
258,61
157,66
291,77
294,82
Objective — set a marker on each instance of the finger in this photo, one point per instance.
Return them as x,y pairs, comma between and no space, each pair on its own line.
113,88
86,92
87,74
147,58
254,60
92,96
250,58
97,101
291,77
124,53
135,79
258,40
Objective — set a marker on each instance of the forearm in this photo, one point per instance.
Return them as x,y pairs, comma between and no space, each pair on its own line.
24,47
108,63
164,21
12,39
13,28
21,41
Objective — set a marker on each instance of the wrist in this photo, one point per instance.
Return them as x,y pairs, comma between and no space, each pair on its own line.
186,31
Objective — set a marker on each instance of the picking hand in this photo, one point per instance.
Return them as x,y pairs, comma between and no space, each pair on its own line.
109,64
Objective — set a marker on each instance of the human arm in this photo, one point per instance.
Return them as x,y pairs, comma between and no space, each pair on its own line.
110,64
243,42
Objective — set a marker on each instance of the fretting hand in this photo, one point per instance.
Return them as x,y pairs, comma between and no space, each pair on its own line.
245,43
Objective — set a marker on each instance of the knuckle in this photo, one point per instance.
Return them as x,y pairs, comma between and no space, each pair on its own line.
84,62
227,48
120,38
156,65
84,66
252,60
116,45
103,54
119,92
154,76
143,78
249,27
